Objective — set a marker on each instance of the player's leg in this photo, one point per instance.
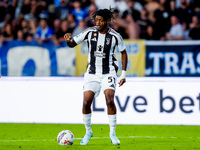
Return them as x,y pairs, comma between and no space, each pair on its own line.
108,85
109,95
87,101
88,97
91,89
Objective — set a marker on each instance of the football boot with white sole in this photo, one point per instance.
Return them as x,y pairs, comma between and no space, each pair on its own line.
114,139
86,138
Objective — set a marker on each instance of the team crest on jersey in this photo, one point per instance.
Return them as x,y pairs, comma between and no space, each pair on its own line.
99,52
95,34
107,41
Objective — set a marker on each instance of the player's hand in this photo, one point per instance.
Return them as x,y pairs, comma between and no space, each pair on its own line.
67,36
122,78
121,82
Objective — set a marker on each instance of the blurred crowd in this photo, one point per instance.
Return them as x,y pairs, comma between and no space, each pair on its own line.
43,20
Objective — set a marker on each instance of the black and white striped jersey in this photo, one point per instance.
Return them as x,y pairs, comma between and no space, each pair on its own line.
101,47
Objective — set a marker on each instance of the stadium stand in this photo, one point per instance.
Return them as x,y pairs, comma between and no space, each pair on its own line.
135,19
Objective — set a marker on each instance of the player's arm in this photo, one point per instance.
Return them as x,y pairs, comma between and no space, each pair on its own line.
124,57
68,38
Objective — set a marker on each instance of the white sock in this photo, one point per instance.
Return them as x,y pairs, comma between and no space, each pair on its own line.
112,123
87,122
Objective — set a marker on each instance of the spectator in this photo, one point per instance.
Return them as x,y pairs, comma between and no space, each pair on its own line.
150,33
172,5
178,3
18,8
15,26
58,36
44,32
71,20
89,21
26,7
22,25
119,25
137,5
102,4
7,12
196,5
86,4
29,37
131,28
161,20
41,11
194,28
32,27
121,6
186,31
28,10
20,35
10,10
143,23
195,22
34,5
57,3
78,11
8,33
56,25
184,13
80,28
151,6
25,26
61,12
176,31
131,10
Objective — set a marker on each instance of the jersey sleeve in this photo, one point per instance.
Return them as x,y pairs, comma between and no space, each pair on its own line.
121,45
81,37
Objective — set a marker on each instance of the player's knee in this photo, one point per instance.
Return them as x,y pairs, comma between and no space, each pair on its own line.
86,103
109,95
109,99
109,102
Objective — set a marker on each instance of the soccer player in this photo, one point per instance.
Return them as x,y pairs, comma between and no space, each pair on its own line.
102,68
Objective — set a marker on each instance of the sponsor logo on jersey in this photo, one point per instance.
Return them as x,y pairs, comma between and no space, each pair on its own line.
100,48
99,52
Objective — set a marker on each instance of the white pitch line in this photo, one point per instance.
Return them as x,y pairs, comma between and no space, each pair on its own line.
124,137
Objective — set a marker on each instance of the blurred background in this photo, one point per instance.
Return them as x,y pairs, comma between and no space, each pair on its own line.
161,36
38,69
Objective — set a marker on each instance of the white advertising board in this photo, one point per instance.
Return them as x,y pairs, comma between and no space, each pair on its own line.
141,100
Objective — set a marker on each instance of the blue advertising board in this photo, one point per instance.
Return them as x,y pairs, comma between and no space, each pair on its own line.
173,58
160,58
21,58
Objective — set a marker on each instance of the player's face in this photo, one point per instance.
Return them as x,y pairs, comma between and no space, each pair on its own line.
100,23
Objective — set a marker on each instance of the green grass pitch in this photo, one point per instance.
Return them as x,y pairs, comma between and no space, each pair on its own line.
17,136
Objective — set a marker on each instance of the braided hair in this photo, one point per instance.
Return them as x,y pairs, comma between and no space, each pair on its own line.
107,14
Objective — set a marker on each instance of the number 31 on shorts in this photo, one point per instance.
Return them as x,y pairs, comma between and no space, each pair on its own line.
111,80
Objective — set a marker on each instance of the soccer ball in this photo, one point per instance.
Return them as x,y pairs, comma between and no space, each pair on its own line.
65,137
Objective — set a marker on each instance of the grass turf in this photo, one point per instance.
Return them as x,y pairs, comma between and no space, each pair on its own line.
138,137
